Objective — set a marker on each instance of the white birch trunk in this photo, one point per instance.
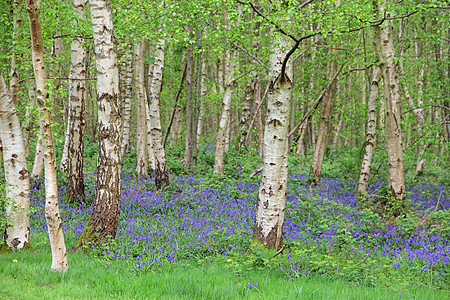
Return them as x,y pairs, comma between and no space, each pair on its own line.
72,163
17,227
141,132
127,81
269,215
224,121
371,129
161,173
104,221
394,147
52,215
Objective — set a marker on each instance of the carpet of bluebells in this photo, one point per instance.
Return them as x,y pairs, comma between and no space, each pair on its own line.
196,218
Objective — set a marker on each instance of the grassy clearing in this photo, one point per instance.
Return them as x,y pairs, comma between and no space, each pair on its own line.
26,275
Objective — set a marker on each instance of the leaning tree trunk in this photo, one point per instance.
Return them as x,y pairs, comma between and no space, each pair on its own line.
224,121
73,163
161,172
270,205
102,226
17,227
141,132
371,130
52,215
386,54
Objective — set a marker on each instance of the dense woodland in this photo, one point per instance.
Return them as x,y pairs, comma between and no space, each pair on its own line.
105,90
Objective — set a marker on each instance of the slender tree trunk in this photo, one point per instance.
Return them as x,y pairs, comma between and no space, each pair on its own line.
17,227
224,122
150,148
270,205
38,164
141,132
106,209
371,129
246,113
259,124
386,55
15,59
127,81
52,215
189,103
321,141
174,110
75,123
175,136
196,110
203,92
161,172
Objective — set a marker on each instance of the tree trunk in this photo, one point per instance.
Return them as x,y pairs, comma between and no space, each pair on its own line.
161,172
386,55
75,123
141,132
127,82
17,183
52,215
246,113
321,142
224,122
259,124
189,102
269,215
15,60
175,135
371,130
106,209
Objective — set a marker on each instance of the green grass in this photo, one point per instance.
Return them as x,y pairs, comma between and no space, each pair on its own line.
93,278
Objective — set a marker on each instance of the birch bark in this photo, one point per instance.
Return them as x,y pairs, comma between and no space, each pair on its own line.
371,129
52,215
73,162
17,227
106,209
269,215
141,132
224,121
127,81
161,172
386,55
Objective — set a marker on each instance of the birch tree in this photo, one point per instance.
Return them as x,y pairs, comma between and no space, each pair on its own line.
224,120
104,220
17,227
52,214
73,162
126,87
161,173
384,46
270,205
371,130
141,132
